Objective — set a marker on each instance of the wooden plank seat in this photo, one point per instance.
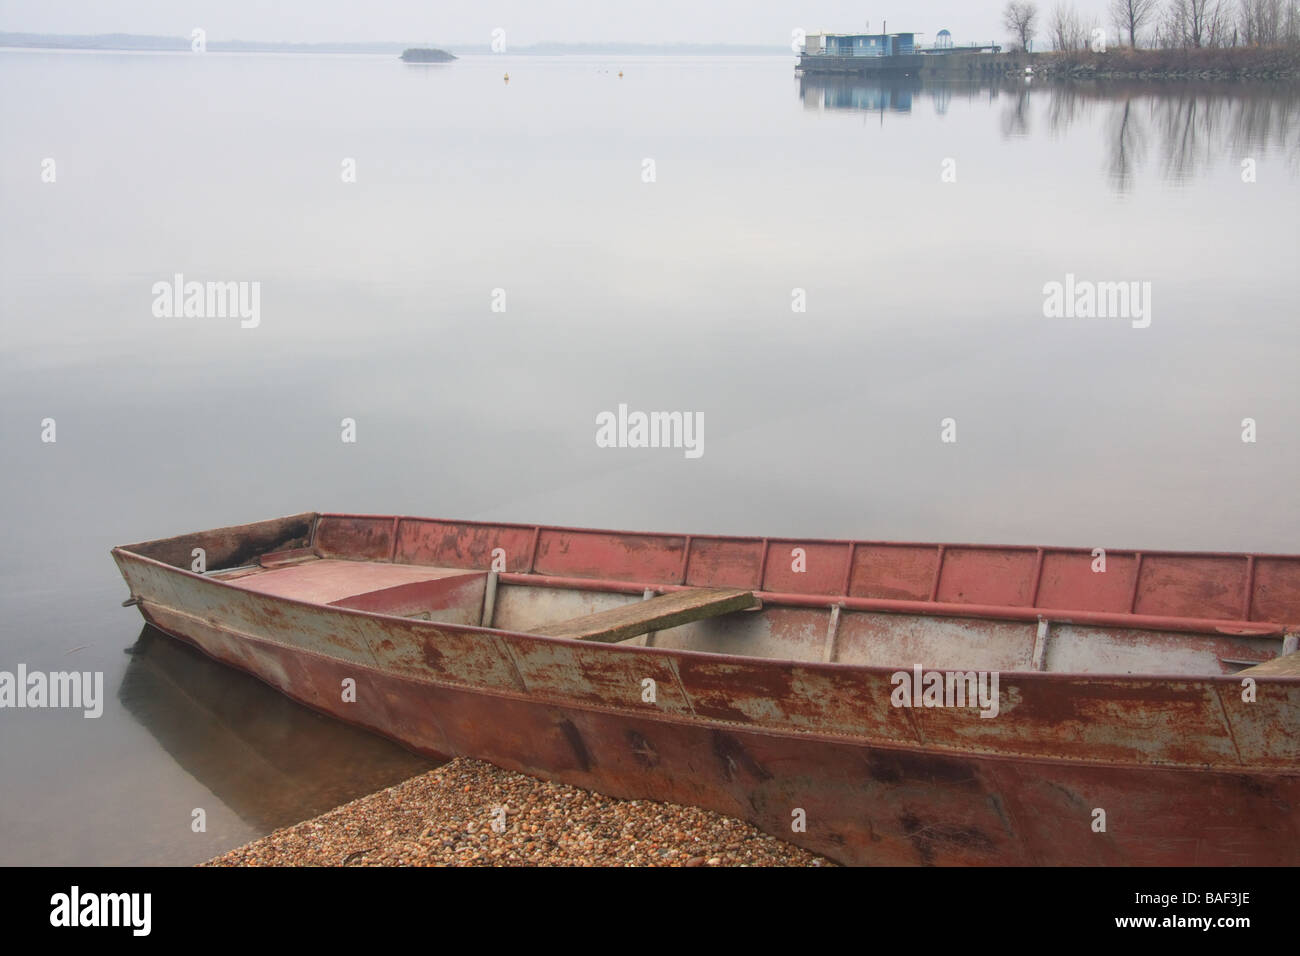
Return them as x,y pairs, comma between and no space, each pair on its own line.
1288,665
656,614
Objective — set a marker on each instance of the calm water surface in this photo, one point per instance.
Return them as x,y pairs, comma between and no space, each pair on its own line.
924,302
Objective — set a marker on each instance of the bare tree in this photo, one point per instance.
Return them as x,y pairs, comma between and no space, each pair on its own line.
1196,23
1262,22
1065,30
1220,28
1021,18
1130,16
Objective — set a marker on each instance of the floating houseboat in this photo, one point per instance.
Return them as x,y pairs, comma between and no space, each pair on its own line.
894,53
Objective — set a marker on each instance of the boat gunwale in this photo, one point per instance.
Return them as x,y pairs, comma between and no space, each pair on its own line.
1062,549
735,659
1240,626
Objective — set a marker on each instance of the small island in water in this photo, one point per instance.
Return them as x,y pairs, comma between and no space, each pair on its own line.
426,55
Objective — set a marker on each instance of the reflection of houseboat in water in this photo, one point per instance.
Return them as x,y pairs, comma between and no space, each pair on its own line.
846,93
883,52
893,93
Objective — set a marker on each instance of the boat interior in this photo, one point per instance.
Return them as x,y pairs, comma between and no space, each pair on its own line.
852,603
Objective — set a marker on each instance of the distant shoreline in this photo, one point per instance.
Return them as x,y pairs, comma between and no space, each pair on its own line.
140,43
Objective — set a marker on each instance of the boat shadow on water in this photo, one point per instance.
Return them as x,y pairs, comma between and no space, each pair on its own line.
271,760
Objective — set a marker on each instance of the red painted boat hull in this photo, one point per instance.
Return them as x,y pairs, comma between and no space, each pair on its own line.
1076,769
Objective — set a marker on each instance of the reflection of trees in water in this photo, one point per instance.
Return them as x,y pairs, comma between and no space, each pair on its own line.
1127,134
1064,111
1015,115
1192,126
1186,127
1197,128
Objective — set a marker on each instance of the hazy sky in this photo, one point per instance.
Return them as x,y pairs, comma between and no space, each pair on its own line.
525,21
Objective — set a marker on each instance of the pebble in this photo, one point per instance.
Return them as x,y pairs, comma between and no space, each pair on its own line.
451,816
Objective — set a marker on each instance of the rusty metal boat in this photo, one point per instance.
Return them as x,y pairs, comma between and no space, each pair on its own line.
1145,705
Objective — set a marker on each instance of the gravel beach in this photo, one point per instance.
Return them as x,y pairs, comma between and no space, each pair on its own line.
469,813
